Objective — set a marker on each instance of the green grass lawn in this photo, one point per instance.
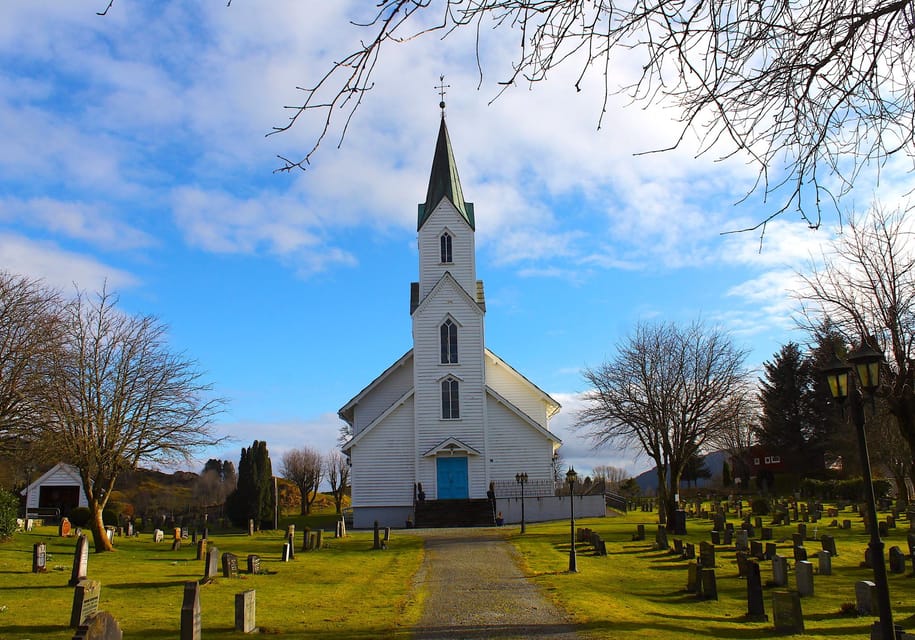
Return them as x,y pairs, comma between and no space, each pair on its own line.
343,591
641,591
349,591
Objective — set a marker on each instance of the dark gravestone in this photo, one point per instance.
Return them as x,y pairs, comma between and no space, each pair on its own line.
825,563
742,541
756,610
678,546
39,557
680,522
99,626
692,577
706,555
201,548
639,532
661,538
897,560
846,524
866,597
376,539
797,540
709,585
85,601
804,575
229,565
786,612
757,522
80,562
728,538
211,564
766,533
828,543
190,612
716,537
689,551
802,531
800,554
756,550
319,538
743,560
883,528
254,564
771,550
245,612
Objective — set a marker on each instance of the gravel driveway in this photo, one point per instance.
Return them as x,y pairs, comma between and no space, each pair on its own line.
476,590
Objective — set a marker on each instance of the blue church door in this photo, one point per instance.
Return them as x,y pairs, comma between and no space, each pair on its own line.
451,476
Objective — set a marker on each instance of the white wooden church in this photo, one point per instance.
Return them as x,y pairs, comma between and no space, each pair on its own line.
449,417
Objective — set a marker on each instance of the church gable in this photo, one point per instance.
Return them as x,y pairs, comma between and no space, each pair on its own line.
521,392
446,244
380,394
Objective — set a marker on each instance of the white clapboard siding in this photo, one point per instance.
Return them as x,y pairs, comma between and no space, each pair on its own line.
383,461
60,475
516,389
384,393
462,266
515,446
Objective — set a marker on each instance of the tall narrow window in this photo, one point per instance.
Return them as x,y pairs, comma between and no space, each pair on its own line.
446,247
450,399
449,342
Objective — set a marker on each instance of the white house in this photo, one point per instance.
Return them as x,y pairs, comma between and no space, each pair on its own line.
449,417
57,492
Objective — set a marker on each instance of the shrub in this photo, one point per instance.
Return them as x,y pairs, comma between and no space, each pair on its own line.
80,517
110,518
759,506
9,511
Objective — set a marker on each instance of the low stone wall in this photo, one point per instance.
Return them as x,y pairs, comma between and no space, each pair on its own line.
550,508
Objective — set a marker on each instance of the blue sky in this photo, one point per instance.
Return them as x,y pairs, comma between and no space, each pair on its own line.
134,152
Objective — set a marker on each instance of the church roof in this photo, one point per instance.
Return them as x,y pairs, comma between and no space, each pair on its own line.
444,181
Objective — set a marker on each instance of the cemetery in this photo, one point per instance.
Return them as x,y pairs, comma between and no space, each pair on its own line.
810,579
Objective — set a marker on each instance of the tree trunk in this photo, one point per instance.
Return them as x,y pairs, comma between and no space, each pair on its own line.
97,526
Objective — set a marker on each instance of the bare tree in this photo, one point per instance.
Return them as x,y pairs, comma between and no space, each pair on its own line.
613,476
29,333
116,397
669,390
811,92
305,469
337,466
865,289
738,433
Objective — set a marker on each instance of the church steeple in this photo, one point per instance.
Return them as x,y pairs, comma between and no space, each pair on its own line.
444,181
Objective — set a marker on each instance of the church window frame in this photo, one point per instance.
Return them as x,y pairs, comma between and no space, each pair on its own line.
448,342
451,398
446,247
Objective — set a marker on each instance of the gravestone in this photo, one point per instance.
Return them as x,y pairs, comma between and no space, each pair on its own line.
891,522
661,538
706,555
319,538
158,535
692,577
883,529
716,537
287,553
802,531
290,540
639,533
709,585
678,546
846,524
63,529
786,612
766,533
897,560
750,529
728,539
176,544
201,548
866,597
800,554
825,563
99,626
743,559
190,612
211,564
828,543
757,522
680,522
803,571
771,550
756,610
229,565
689,551
39,557
254,564
780,571
85,601
742,541
756,550
80,562
797,540
245,611
718,522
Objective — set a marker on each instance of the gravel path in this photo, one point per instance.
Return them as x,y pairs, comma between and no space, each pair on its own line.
476,590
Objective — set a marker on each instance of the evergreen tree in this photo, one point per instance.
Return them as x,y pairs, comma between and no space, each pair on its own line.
696,469
791,425
726,479
253,497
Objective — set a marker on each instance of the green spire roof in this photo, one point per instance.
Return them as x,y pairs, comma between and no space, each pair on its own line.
444,181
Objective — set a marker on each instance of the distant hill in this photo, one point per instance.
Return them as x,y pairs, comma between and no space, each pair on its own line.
648,481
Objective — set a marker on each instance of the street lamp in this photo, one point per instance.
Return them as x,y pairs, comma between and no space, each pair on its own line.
866,363
570,477
521,478
28,485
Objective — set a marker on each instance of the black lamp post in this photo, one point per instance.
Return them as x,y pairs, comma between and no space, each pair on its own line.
570,476
521,478
866,363
28,485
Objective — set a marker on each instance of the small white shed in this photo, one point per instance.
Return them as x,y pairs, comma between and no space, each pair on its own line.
57,492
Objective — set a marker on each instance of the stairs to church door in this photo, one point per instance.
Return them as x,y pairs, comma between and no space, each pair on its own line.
454,513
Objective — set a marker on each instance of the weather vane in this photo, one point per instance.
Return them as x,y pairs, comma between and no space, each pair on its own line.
441,91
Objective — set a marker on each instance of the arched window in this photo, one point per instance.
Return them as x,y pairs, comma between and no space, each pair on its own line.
448,337
451,409
445,241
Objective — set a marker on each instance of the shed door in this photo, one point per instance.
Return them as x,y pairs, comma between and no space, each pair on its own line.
452,478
